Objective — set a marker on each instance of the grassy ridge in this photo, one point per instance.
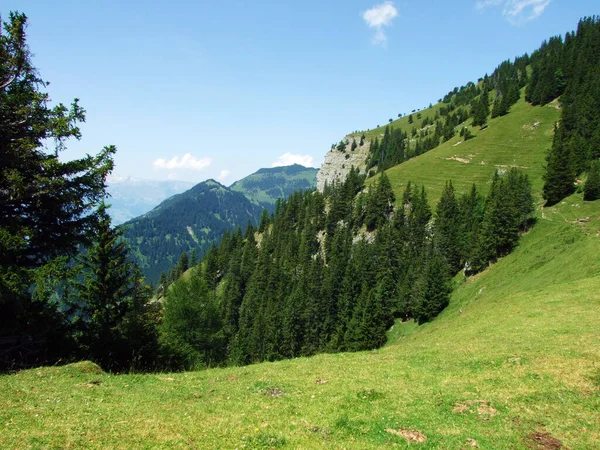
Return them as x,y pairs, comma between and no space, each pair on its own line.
519,139
515,353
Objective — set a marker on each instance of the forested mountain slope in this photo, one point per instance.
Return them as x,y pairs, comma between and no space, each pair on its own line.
194,219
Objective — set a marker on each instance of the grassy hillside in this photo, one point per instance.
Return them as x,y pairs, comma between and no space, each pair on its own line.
266,186
519,139
514,357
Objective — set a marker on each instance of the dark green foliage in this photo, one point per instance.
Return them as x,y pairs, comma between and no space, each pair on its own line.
380,202
432,289
448,229
591,190
304,287
481,109
569,68
107,306
560,175
507,209
48,205
191,220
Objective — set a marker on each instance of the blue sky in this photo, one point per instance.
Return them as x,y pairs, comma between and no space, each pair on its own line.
193,90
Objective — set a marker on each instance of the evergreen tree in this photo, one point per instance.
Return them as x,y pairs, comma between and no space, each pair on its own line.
48,205
591,190
104,297
432,289
560,176
447,227
140,326
264,221
481,110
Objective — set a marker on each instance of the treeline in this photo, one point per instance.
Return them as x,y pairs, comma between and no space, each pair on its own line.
460,104
331,271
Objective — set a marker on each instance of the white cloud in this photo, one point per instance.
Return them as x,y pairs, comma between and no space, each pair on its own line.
287,159
187,161
378,17
224,174
517,11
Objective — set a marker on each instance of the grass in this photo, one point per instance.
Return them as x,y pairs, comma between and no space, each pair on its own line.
508,141
516,352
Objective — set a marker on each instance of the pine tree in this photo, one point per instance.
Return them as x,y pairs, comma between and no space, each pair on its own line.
432,289
264,221
104,297
591,190
447,226
48,204
560,176
481,109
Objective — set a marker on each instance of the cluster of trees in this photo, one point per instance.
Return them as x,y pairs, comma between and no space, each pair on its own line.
507,81
331,271
571,68
395,146
66,288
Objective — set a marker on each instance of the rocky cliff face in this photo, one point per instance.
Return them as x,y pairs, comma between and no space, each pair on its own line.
338,162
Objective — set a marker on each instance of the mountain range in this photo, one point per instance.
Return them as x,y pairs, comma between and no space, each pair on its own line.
195,219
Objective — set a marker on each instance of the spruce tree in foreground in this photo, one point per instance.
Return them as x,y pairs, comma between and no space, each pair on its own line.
100,302
47,204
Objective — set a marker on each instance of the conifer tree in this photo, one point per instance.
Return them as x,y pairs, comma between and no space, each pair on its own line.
264,221
432,289
48,205
560,176
591,190
447,227
101,301
481,110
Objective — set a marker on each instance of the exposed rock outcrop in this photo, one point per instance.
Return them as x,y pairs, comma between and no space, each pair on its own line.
337,162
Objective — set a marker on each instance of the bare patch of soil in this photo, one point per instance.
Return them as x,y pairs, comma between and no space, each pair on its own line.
483,408
472,443
274,392
91,383
409,435
543,440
